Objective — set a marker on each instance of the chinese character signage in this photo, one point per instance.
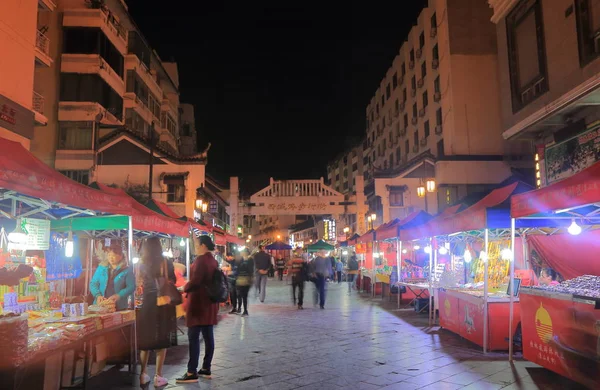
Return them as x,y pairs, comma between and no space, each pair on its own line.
38,233
298,207
16,118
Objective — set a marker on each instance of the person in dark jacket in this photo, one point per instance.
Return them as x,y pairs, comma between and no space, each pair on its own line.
298,269
201,312
245,271
154,323
262,263
352,271
231,278
280,263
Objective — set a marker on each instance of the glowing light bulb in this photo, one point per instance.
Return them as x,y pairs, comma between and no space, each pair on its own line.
443,251
182,242
506,254
404,251
427,249
69,247
344,253
467,256
18,236
135,260
483,256
574,229
416,247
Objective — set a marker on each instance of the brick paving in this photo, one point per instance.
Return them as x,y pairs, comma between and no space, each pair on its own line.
357,342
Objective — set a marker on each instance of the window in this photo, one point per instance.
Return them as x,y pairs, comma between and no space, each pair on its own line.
396,198
135,122
167,122
416,137
413,83
374,157
436,85
377,108
395,80
79,87
382,101
415,111
91,40
403,69
438,117
405,121
396,106
412,55
391,160
406,148
588,29
388,92
75,135
384,144
136,85
398,154
345,172
354,167
345,185
433,21
365,160
337,177
81,177
422,40
382,124
423,69
176,193
404,96
426,129
398,129
526,53
435,53
425,99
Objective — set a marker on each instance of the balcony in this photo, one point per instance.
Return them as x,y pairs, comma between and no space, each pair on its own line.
437,97
433,32
420,83
87,112
132,62
99,18
130,100
438,130
419,53
435,63
93,64
42,50
422,112
414,120
37,105
46,5
168,106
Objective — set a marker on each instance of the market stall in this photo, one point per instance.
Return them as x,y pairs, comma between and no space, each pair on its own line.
561,321
365,248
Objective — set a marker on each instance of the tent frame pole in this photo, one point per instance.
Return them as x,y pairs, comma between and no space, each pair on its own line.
485,291
187,258
511,289
430,281
398,268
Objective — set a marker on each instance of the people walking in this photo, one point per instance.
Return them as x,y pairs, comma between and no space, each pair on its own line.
231,278
321,268
245,270
352,271
339,267
280,264
262,263
155,323
298,269
201,312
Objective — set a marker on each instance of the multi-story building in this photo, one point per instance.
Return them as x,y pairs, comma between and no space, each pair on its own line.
436,114
26,46
549,72
111,103
342,171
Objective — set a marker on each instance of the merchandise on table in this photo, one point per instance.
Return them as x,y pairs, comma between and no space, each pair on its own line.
584,286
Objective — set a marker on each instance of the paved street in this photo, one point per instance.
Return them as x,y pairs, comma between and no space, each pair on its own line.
355,343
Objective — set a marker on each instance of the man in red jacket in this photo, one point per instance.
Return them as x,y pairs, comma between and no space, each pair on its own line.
201,312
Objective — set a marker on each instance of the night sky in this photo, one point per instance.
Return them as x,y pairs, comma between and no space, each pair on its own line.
280,88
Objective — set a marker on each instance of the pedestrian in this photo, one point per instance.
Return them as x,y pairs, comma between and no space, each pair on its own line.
245,270
298,269
321,268
154,323
262,263
201,312
352,271
332,259
280,264
339,267
231,278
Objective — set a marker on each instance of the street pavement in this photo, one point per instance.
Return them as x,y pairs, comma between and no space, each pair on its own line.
356,342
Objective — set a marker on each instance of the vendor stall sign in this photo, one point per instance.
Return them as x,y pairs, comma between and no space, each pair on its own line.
16,118
329,233
38,233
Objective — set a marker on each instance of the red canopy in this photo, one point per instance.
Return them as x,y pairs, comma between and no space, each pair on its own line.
233,239
367,237
22,172
578,190
172,214
220,239
388,230
146,220
425,230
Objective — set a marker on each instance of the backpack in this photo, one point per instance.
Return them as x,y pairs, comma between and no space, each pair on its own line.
218,289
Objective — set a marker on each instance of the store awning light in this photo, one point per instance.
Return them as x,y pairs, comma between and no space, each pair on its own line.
404,251
443,251
467,256
427,249
18,236
182,242
69,246
135,260
506,254
416,247
345,253
574,229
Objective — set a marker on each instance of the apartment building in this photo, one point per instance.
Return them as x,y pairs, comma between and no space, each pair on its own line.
436,114
549,72
111,102
26,49
342,171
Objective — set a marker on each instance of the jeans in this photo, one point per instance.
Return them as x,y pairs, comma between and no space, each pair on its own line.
233,296
299,284
320,287
261,286
339,276
350,280
280,273
194,341
242,292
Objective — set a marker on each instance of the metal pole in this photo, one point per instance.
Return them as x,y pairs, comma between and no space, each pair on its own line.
485,291
187,258
151,161
88,267
130,254
511,289
398,267
430,280
435,264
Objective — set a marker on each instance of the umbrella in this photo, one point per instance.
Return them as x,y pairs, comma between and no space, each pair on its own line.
278,246
320,246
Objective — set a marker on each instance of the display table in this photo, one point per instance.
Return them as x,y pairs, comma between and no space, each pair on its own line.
419,290
84,345
462,312
561,332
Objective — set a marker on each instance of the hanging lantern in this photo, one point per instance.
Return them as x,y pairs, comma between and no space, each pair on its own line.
421,192
430,185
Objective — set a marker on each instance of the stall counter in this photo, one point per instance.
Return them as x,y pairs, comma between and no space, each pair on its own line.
461,312
561,332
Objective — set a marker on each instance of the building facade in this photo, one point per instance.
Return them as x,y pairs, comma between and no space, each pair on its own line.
549,72
110,103
27,49
436,115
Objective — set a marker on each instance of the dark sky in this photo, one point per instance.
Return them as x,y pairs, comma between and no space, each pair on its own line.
280,87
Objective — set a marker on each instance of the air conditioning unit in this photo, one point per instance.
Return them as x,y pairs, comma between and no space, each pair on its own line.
413,92
423,142
422,112
415,148
433,32
437,96
411,64
438,129
419,53
420,83
435,63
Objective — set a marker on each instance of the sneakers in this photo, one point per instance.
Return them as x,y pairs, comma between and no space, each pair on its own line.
187,378
159,381
244,314
322,307
233,311
206,373
144,379
300,307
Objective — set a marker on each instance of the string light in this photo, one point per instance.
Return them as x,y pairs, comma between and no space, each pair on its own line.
467,256
574,229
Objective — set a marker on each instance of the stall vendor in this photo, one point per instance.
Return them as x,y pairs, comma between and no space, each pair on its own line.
548,277
113,278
